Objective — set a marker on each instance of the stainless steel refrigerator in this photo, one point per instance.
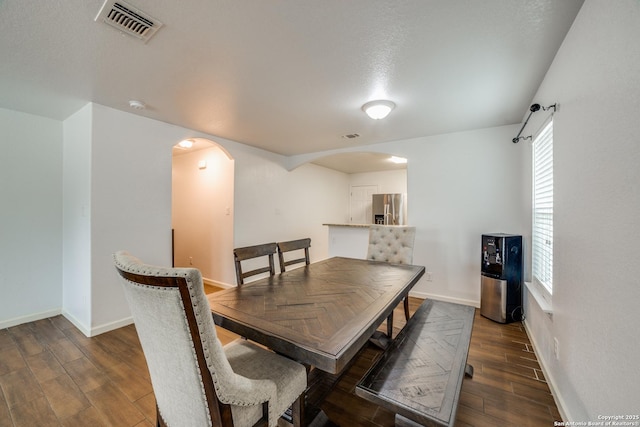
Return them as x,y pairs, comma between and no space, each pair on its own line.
388,209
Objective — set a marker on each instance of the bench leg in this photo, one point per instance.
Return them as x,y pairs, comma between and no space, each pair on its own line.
406,308
401,421
468,371
390,325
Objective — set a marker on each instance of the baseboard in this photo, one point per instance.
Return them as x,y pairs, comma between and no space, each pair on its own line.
97,330
215,283
111,326
426,295
29,318
547,374
78,324
106,327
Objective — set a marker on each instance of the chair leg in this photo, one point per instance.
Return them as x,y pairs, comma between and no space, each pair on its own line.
406,308
297,411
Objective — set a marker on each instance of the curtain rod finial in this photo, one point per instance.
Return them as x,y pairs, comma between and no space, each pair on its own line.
518,138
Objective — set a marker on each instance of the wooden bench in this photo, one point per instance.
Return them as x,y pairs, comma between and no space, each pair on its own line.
420,375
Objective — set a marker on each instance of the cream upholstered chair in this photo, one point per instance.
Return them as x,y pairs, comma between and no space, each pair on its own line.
293,246
393,244
198,382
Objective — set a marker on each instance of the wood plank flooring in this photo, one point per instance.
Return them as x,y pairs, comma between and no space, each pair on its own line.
52,375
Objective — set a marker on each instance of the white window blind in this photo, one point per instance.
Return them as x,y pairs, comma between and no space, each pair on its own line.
543,207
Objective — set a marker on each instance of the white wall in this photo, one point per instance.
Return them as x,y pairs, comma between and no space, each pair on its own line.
273,204
30,217
130,203
460,186
202,213
392,181
595,78
269,204
76,224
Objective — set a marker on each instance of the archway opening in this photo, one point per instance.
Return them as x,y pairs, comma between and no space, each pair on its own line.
202,210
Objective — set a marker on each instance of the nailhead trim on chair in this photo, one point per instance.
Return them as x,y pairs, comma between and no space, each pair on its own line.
228,388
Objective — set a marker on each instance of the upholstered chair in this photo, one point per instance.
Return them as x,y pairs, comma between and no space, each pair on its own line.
392,244
196,381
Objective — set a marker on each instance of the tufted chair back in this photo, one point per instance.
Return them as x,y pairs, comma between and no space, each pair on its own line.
197,381
391,243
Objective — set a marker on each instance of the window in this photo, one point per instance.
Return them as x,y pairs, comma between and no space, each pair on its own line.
542,233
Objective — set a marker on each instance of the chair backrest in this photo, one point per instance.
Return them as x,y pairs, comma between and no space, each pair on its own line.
293,245
391,243
189,370
249,252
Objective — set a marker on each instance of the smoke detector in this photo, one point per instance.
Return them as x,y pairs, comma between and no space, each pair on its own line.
137,105
128,19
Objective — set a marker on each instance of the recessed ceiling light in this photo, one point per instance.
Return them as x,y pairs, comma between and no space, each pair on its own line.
378,109
186,143
398,160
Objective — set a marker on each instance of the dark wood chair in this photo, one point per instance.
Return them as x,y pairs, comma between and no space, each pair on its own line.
250,252
196,380
293,245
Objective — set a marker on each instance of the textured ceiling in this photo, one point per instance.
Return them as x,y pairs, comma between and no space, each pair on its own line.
288,76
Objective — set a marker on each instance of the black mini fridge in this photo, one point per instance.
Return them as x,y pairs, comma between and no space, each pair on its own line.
501,278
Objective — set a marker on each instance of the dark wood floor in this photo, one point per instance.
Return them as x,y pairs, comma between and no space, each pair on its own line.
52,375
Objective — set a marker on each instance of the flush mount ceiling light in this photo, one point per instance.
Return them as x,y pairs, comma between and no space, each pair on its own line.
378,109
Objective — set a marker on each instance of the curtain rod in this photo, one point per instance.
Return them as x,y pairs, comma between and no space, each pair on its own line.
532,109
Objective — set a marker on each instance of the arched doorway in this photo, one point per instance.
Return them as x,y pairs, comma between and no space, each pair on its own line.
202,210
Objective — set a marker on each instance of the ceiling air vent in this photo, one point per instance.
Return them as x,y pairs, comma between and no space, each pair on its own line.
128,19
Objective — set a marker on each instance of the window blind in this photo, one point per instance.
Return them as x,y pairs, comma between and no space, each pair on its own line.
542,239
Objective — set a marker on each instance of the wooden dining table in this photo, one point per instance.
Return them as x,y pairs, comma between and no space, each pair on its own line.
321,314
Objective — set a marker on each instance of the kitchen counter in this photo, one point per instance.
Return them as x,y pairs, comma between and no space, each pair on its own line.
349,225
348,240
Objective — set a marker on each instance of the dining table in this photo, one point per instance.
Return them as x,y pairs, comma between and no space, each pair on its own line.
321,314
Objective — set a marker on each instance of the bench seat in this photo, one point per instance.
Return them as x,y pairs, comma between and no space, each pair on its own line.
419,376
